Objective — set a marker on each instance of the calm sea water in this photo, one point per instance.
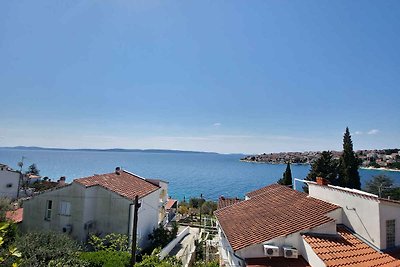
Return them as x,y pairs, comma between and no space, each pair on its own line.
188,175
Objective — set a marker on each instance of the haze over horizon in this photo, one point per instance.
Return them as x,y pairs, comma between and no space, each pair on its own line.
233,77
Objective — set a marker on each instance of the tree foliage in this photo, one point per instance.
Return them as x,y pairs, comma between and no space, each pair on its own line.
42,248
196,202
5,205
161,236
32,169
106,258
153,260
324,166
209,207
379,185
111,242
348,164
286,177
9,254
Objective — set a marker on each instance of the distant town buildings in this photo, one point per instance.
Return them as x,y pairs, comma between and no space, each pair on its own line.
387,158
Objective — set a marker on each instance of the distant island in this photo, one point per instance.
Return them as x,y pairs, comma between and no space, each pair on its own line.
387,159
108,150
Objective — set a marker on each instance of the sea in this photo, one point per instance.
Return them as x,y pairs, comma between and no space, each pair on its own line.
189,174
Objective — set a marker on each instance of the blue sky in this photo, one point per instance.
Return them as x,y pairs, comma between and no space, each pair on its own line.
237,76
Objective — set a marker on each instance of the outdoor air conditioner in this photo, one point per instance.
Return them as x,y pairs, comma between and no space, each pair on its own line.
67,229
271,251
89,225
290,252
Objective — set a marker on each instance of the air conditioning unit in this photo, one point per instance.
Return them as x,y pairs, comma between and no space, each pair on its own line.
67,229
289,252
271,251
89,225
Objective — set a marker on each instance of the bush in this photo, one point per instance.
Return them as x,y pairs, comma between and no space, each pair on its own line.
106,258
111,242
41,248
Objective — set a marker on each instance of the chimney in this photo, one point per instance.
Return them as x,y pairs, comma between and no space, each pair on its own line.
322,181
61,181
118,171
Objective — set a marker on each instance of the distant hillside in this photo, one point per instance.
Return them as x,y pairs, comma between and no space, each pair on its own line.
107,150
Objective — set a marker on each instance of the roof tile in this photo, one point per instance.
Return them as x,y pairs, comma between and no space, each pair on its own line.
125,184
273,211
346,249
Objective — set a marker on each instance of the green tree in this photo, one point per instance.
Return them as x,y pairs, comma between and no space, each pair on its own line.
286,177
42,248
209,207
348,164
9,254
380,185
160,237
32,169
324,166
196,202
153,260
111,242
5,205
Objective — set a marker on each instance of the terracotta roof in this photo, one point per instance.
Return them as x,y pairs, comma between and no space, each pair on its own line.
278,211
15,215
276,262
170,203
125,184
346,249
225,202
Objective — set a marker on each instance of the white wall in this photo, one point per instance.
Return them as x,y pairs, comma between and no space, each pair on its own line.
389,211
360,213
294,240
226,252
310,256
109,210
8,178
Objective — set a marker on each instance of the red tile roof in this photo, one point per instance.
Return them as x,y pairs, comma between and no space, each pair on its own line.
276,262
170,203
125,184
346,249
15,215
275,211
225,202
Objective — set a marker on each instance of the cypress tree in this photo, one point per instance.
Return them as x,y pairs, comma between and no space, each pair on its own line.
348,164
286,177
324,166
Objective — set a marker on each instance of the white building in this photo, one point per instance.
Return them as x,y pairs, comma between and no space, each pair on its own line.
278,226
98,204
9,182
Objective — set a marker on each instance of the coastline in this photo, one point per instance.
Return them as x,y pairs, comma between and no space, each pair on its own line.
364,168
380,169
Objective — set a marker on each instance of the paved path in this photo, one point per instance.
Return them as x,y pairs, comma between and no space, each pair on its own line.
180,249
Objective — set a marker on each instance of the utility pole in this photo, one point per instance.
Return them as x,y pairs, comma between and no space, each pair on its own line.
20,180
134,230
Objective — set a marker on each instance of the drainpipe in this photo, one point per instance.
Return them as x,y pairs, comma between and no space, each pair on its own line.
129,224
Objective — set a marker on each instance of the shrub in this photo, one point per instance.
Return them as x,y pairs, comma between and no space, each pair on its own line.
106,258
41,248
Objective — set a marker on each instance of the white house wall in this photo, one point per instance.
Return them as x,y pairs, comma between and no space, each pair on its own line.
108,210
148,216
361,214
9,178
293,240
389,211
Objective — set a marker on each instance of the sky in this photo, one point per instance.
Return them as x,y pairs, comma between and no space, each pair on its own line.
223,76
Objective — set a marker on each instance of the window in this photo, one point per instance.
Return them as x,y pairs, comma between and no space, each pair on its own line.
49,205
9,185
390,233
65,208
